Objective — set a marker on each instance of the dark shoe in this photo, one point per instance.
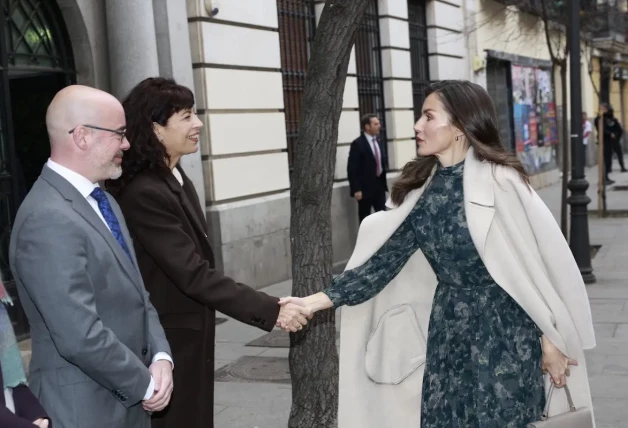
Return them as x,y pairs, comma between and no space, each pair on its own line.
624,170
608,182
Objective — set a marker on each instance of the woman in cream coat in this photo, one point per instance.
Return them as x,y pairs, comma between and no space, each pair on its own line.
470,250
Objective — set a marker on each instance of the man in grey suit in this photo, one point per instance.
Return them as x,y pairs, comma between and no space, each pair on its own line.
100,356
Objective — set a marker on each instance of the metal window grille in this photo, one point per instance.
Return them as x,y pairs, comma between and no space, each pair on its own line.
418,53
297,23
35,36
369,67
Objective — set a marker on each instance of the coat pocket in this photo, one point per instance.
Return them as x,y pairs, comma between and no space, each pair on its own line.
396,348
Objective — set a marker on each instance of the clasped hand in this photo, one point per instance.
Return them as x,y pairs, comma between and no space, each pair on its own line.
556,363
293,314
161,371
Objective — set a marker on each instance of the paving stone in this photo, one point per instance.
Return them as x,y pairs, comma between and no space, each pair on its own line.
595,363
233,351
604,330
615,364
245,417
610,412
266,397
249,369
621,332
609,386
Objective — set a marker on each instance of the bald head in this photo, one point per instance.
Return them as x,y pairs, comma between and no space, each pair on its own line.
78,105
95,147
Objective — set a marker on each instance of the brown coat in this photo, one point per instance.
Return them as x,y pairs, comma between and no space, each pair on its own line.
168,228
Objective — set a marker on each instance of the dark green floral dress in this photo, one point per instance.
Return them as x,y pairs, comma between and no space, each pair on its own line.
483,365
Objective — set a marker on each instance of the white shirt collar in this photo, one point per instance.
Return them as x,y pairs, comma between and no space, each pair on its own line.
178,176
82,184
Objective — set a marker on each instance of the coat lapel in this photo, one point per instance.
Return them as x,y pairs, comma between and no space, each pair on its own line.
479,199
84,209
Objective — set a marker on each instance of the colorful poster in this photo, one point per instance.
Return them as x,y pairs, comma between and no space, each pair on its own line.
534,113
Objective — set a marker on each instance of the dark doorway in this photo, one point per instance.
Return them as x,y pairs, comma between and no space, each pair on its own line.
30,97
499,87
35,62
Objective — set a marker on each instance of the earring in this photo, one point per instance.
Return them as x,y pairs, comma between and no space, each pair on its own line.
456,138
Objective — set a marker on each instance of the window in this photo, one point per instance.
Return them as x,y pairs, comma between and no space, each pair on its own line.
297,22
418,53
369,67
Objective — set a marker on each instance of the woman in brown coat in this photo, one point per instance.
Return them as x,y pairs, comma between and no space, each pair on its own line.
168,228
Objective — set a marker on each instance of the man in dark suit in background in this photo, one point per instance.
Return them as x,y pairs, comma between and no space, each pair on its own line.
366,168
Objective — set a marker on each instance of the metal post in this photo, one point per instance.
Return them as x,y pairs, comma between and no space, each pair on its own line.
579,230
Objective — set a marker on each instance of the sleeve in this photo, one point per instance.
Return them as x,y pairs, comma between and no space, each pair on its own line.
619,130
555,252
63,293
352,168
364,282
26,405
160,232
10,420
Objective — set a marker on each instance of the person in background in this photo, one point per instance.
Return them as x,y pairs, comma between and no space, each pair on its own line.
169,231
613,132
586,133
18,406
366,168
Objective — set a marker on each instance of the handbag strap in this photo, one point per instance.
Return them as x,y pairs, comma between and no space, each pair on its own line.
572,408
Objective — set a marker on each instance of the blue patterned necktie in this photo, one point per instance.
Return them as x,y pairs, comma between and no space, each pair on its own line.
110,218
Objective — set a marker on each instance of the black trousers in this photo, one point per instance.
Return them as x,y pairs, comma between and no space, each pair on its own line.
377,202
609,149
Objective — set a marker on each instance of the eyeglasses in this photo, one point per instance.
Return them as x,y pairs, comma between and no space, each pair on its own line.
120,132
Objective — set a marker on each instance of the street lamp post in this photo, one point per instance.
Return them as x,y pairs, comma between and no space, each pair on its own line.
579,230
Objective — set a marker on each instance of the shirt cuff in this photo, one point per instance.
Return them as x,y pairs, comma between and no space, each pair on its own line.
163,356
150,390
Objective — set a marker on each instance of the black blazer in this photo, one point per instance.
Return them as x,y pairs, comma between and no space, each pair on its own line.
27,408
362,170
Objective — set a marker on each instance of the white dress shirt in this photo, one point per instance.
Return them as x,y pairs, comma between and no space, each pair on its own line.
8,399
178,176
85,188
375,149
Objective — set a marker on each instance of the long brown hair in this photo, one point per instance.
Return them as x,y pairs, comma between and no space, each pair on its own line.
471,110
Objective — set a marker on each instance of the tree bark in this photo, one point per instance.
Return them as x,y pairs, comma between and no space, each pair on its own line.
313,353
565,151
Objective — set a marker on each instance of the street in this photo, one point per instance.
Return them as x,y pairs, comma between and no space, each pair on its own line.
252,378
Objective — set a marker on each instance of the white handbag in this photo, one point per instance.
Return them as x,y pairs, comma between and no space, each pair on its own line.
574,418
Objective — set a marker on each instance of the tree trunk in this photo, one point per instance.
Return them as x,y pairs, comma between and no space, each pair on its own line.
313,354
565,149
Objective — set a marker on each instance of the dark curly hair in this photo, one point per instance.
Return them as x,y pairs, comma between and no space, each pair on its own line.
154,100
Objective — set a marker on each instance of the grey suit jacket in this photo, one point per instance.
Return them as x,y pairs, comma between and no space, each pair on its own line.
93,328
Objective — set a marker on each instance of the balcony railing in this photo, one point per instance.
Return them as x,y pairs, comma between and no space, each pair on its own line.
603,20
606,21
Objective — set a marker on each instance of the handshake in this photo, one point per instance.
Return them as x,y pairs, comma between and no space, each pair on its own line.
294,314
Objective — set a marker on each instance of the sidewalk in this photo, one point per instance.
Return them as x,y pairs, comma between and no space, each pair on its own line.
252,377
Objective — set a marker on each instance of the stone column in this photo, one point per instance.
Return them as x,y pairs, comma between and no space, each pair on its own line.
132,44
175,61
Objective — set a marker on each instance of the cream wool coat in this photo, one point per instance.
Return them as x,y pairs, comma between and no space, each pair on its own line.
383,341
